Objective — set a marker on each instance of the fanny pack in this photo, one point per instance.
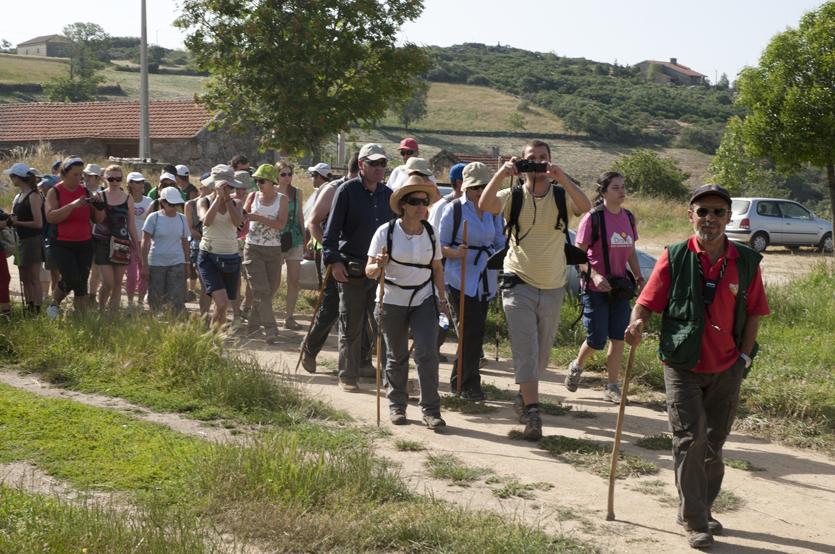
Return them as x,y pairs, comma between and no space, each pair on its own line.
227,263
509,280
355,266
119,251
623,288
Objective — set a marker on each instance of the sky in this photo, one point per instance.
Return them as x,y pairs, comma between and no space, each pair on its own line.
710,36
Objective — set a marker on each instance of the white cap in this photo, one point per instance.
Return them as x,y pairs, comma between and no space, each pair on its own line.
136,176
322,169
20,169
93,169
168,176
171,195
182,171
35,172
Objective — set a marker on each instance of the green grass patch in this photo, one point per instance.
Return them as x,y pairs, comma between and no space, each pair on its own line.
655,442
515,435
448,466
496,394
744,465
596,458
655,487
549,407
408,446
511,487
727,501
458,404
583,414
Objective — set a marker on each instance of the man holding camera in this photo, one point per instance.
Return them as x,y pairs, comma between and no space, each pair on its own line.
710,294
534,267
360,206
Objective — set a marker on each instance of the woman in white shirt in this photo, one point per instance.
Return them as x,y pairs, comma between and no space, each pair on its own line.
414,276
134,283
165,253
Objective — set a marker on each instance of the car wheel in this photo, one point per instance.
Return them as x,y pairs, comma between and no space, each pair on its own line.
826,244
759,242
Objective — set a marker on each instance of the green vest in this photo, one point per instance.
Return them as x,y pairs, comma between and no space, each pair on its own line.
683,321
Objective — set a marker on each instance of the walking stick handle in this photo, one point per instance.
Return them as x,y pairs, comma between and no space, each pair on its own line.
461,311
316,311
380,331
610,515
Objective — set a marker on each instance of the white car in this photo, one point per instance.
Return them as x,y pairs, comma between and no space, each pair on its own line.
761,222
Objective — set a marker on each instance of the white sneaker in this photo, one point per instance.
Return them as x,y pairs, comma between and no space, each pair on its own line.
573,377
612,393
52,312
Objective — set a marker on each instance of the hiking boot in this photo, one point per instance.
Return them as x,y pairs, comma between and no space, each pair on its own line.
348,387
434,421
398,416
482,363
519,406
309,363
573,377
713,526
533,429
367,369
700,538
612,393
191,296
273,337
52,312
291,324
473,395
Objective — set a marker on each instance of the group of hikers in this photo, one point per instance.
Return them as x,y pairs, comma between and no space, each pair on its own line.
400,255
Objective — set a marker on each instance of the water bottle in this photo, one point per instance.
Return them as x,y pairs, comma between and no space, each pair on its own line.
443,322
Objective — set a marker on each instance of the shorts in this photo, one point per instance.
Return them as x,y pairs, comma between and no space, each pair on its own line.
214,279
604,320
30,251
295,254
102,255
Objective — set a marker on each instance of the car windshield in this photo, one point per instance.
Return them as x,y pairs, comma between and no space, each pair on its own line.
740,207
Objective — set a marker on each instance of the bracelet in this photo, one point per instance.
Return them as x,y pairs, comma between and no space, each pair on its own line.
442,301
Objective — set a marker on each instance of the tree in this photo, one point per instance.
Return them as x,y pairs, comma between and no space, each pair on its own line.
67,89
645,172
302,70
5,45
413,108
790,96
724,83
88,42
516,122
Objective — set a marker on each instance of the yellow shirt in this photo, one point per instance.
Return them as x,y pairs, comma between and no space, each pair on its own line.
539,258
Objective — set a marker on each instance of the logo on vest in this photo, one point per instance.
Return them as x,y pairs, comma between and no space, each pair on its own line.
620,239
734,288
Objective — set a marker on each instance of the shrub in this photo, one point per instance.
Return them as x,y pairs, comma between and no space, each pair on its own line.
646,173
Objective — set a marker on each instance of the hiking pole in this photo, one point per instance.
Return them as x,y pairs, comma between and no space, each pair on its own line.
498,309
315,312
610,516
461,310
380,331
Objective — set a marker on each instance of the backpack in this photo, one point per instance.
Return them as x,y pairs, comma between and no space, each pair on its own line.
413,288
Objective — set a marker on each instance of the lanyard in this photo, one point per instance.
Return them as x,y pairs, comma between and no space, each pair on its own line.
711,286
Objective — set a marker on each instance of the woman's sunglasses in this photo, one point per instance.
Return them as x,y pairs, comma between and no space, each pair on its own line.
477,187
416,201
377,163
718,212
286,174
262,181
114,179
407,152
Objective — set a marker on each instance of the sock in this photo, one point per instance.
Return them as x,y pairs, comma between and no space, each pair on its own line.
611,385
532,408
578,366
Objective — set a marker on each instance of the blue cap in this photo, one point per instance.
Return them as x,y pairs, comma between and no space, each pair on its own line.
456,172
205,176
56,165
50,180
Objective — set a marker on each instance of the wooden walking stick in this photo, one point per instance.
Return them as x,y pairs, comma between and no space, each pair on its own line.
498,309
610,516
461,311
380,332
316,311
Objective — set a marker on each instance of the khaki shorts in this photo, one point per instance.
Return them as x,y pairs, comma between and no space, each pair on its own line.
295,254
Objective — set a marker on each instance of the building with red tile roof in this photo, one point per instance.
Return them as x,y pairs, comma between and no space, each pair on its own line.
673,72
47,45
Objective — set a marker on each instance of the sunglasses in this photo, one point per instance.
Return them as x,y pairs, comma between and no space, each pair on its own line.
477,187
114,179
262,181
718,212
286,174
407,152
416,201
376,163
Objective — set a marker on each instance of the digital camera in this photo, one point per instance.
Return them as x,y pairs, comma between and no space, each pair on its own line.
527,166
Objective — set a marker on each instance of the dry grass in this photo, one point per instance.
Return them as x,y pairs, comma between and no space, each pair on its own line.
160,87
29,69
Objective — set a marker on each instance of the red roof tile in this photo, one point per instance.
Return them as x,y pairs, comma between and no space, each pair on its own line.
45,38
170,119
486,159
680,68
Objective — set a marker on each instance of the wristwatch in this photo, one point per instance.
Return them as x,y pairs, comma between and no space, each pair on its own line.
747,360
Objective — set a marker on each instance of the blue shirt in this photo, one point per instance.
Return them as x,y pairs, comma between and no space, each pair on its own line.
480,232
356,213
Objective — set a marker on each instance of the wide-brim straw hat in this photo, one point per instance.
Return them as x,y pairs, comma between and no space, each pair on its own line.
415,183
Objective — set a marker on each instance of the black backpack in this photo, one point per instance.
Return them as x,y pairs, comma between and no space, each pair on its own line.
413,288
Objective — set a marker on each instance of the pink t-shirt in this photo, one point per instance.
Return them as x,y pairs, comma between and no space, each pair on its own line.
621,239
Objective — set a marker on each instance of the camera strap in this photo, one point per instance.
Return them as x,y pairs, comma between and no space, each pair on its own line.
711,286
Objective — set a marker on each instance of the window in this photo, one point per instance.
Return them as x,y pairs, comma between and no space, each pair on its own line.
740,207
768,209
794,211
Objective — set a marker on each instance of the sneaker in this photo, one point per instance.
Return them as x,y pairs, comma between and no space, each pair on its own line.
573,377
271,338
191,296
348,387
533,429
52,312
367,369
309,363
519,407
482,363
291,324
700,538
713,526
245,313
473,395
612,393
236,323
434,421
398,416
253,332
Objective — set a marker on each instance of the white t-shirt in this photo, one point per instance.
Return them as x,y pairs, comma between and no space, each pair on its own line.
436,211
140,212
166,234
409,249
398,178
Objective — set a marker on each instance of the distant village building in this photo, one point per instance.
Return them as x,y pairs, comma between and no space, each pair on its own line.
671,72
442,162
53,46
179,132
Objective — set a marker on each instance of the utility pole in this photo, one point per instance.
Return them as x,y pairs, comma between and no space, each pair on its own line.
144,111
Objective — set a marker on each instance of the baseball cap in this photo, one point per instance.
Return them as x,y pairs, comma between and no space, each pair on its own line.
167,176
56,165
93,169
35,172
50,180
418,165
475,174
182,171
408,144
372,151
136,176
171,195
322,169
456,172
20,169
711,189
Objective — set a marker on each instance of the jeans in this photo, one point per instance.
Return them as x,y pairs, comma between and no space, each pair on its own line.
701,408
263,268
475,325
356,300
423,321
325,317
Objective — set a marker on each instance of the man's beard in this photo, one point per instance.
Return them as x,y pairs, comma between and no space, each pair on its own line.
708,234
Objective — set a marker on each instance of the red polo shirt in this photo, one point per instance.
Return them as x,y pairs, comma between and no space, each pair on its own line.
719,351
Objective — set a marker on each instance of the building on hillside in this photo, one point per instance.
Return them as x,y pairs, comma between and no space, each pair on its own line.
179,132
671,72
53,46
441,162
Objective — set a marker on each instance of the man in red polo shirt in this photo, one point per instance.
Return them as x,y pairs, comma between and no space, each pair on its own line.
710,294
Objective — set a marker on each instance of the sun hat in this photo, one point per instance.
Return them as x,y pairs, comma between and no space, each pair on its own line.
171,195
182,171
93,169
322,169
221,172
19,169
709,189
244,178
416,165
372,151
408,144
267,172
475,174
456,172
415,183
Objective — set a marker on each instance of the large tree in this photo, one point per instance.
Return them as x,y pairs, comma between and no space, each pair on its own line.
790,96
88,42
302,70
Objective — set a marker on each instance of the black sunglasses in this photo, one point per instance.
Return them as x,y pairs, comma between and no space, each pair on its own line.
718,212
286,174
377,163
416,201
114,179
407,152
262,181
477,187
